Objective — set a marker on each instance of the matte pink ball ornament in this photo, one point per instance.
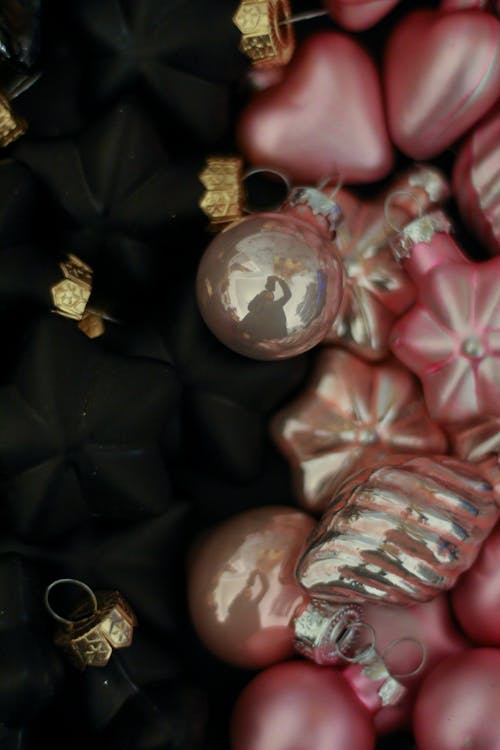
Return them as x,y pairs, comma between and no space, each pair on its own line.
300,706
271,285
476,597
458,703
441,75
325,116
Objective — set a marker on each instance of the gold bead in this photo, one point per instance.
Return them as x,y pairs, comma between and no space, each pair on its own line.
222,179
11,125
89,641
265,39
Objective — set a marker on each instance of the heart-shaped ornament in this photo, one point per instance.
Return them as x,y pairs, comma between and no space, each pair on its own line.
442,73
325,117
357,15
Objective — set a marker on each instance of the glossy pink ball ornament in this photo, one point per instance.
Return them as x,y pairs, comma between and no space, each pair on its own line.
358,15
491,5
451,337
400,533
476,597
457,705
476,181
241,586
430,624
325,117
245,602
300,706
441,75
271,285
378,289
351,415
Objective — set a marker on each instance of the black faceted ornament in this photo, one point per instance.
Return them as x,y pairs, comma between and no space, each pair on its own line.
20,32
80,434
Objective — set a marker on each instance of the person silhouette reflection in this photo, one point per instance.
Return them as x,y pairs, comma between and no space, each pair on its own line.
266,318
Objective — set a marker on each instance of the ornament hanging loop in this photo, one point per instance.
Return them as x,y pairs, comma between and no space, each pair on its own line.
388,205
394,644
251,172
64,620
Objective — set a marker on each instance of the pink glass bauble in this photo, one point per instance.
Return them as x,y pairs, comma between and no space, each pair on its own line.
458,703
325,117
378,289
270,286
358,15
442,74
476,181
400,533
241,586
491,5
476,597
451,339
350,416
431,624
300,706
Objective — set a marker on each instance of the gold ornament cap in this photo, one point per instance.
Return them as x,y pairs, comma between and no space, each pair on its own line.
266,36
89,636
222,201
12,126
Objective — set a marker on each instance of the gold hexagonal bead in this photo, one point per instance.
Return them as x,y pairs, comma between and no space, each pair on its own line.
222,201
91,640
11,125
267,38
71,294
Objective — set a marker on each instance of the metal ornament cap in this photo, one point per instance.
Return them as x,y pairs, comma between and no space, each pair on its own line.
421,230
319,628
12,126
323,208
266,37
91,640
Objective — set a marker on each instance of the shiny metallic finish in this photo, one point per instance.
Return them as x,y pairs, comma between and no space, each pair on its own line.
373,683
400,533
378,289
351,416
476,181
321,627
421,230
270,286
442,74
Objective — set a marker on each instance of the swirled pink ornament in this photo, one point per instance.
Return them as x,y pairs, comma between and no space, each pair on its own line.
324,117
441,75
457,704
351,415
358,15
377,288
451,339
476,181
400,533
476,597
303,706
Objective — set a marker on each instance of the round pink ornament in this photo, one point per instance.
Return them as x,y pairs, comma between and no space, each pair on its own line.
324,117
300,706
457,704
241,585
441,75
358,15
476,597
271,285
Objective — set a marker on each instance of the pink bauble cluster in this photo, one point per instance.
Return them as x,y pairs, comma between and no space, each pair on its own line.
377,607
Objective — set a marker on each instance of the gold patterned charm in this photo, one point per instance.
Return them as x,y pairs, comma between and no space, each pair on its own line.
11,125
267,38
222,201
70,296
89,635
